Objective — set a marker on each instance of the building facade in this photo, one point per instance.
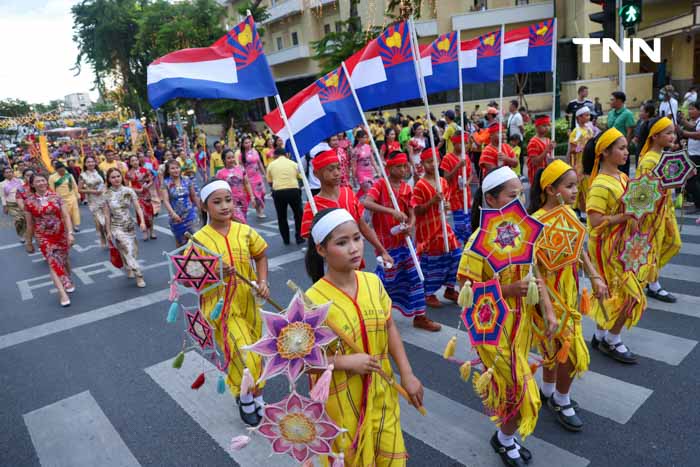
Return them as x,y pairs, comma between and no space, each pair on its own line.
294,24
78,101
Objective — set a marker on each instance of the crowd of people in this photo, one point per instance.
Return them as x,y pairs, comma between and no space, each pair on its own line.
397,200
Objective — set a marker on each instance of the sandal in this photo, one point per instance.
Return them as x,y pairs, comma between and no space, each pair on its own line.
502,451
140,283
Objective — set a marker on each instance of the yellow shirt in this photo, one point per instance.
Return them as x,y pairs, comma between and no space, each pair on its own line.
449,132
283,174
105,166
216,163
67,190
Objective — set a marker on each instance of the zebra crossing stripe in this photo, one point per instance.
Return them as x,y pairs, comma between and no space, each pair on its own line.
217,414
679,272
688,305
608,397
75,432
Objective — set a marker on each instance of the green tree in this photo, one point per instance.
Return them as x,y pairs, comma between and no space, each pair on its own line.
403,9
14,108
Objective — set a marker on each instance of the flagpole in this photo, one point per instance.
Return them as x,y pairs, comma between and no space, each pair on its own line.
421,85
500,103
461,116
554,78
375,151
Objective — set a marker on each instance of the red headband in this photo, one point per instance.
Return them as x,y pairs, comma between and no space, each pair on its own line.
457,139
495,128
325,158
398,159
428,154
542,121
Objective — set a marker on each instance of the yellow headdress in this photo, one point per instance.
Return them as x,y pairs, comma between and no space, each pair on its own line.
607,138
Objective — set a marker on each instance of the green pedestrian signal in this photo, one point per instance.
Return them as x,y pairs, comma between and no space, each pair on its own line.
630,12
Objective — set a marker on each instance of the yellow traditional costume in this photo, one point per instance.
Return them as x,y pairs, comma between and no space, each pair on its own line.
243,325
662,226
67,188
577,140
505,397
367,406
605,243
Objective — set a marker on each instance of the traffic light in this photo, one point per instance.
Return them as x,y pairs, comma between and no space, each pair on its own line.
631,13
605,18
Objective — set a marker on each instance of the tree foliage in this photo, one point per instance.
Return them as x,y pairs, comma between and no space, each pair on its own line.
14,108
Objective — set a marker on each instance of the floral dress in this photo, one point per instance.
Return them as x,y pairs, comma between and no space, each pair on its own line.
93,181
236,177
181,203
122,225
137,179
364,172
255,176
50,232
345,168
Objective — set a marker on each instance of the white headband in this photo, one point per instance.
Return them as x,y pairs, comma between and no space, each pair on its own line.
496,178
583,110
212,187
328,223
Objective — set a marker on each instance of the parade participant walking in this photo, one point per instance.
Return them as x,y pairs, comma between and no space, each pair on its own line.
439,267
511,398
49,221
10,206
363,164
401,281
451,166
121,228
202,160
540,149
493,158
657,135
112,162
255,173
180,200
359,401
240,323
151,164
283,176
569,358
578,138
608,228
346,172
332,195
235,175
216,160
416,145
390,144
140,180
92,185
65,186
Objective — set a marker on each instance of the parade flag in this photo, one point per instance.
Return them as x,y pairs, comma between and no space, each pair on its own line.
322,109
382,72
439,62
44,153
528,49
480,58
234,67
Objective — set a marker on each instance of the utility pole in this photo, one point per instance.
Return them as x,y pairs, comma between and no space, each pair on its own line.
621,70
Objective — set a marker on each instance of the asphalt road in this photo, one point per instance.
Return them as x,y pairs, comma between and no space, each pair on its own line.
92,384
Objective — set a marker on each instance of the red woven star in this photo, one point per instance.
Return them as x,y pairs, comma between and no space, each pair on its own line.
199,329
194,270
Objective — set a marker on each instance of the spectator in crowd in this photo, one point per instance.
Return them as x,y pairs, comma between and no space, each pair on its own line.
621,118
691,130
575,104
283,176
515,124
669,105
690,97
597,107
646,112
450,129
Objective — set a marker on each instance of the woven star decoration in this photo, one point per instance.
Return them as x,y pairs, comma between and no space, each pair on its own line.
562,240
641,196
636,252
195,270
673,169
199,329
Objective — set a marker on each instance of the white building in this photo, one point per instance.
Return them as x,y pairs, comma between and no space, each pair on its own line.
78,101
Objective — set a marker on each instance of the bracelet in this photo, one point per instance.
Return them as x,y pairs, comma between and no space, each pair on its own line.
262,281
594,277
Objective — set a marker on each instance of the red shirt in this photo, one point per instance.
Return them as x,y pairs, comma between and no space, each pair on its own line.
429,225
449,162
535,147
382,223
393,146
346,200
490,156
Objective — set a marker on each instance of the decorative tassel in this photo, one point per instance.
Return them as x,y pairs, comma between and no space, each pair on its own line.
172,312
198,382
533,294
484,380
465,371
320,391
239,442
177,363
679,201
450,348
216,312
563,353
585,301
533,368
247,382
339,460
308,463
221,385
173,292
466,295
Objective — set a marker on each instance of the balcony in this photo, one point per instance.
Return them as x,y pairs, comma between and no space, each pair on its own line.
288,55
497,16
283,9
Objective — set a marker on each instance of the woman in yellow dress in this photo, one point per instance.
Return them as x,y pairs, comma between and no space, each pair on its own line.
582,132
509,392
239,246
65,186
568,357
608,228
359,400
658,134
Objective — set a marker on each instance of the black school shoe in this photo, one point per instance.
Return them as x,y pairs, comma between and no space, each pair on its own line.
250,419
572,422
502,451
667,297
546,399
612,351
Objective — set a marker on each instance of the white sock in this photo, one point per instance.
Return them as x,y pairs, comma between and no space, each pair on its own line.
260,404
507,441
600,333
548,388
247,399
656,287
614,339
563,399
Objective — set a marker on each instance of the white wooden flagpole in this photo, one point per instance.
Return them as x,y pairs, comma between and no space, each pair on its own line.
554,78
500,102
465,182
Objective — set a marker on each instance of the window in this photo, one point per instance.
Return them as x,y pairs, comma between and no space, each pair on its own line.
279,43
338,26
295,38
326,28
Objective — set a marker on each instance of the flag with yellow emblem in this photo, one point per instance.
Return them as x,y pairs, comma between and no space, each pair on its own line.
439,62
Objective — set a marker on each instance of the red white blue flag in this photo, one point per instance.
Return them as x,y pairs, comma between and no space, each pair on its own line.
234,67
439,62
480,58
529,49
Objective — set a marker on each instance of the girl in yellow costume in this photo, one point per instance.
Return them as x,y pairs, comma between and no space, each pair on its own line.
239,245
511,394
569,356
582,132
359,400
608,228
63,183
658,134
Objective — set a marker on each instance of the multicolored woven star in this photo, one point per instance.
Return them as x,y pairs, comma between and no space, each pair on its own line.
673,169
635,253
562,240
642,196
195,270
484,319
199,329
